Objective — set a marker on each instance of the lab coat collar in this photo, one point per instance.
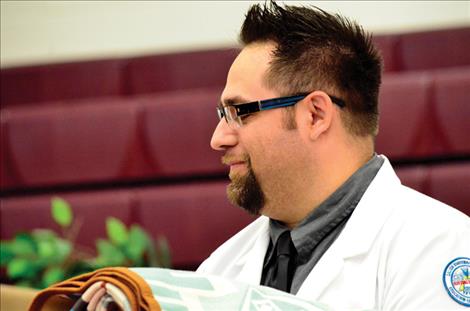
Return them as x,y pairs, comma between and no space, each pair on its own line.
358,234
370,214
251,263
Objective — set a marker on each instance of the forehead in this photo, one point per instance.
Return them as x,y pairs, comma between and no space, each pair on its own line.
245,78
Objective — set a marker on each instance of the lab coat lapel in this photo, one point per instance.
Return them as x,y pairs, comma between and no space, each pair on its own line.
327,269
357,236
252,262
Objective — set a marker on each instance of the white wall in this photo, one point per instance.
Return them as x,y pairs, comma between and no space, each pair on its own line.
52,31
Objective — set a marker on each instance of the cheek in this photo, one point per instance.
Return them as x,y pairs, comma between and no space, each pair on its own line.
274,155
271,148
258,154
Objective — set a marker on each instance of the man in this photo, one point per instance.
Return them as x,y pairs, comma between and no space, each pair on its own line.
298,118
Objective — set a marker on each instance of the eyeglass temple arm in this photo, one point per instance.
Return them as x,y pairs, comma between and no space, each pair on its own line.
269,104
292,100
337,101
248,108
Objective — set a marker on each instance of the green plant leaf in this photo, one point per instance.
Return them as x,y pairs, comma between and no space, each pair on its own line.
61,212
137,243
52,276
63,249
23,245
152,255
164,252
52,250
20,268
117,231
46,250
109,254
6,254
44,235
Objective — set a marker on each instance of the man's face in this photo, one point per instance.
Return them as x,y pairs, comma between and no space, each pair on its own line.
265,158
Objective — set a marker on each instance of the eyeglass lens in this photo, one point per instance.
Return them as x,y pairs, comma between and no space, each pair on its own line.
229,113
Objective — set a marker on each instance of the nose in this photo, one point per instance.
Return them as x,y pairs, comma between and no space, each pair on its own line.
224,136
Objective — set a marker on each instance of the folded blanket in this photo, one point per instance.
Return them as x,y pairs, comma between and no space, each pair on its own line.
103,288
141,288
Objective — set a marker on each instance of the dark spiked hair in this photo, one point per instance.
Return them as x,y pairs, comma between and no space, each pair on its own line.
316,50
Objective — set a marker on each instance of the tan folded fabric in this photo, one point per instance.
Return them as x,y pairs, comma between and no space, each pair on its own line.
136,289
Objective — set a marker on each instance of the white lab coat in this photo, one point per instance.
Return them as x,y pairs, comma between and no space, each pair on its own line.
391,254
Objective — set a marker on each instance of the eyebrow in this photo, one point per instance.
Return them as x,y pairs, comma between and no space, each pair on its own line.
233,101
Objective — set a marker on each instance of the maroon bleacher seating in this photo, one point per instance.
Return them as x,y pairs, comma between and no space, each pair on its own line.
177,129
388,46
45,83
447,182
415,177
90,211
63,144
426,50
7,176
195,218
450,183
178,71
102,78
425,114
202,69
452,100
155,135
161,135
406,122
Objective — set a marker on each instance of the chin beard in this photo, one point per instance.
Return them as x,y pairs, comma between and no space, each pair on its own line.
245,192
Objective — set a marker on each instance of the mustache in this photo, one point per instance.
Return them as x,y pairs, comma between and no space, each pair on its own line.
227,159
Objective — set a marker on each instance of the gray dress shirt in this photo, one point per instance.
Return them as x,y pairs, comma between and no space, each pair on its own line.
315,234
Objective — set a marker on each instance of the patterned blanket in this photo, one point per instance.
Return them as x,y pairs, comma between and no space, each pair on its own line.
163,289
182,290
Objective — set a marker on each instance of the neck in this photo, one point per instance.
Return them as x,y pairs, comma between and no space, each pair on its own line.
326,177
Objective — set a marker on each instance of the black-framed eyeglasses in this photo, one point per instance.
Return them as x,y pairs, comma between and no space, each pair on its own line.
233,113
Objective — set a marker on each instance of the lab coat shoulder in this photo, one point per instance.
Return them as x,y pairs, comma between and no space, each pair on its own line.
394,248
416,216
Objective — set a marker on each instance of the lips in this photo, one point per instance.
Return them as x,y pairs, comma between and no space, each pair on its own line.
234,160
235,163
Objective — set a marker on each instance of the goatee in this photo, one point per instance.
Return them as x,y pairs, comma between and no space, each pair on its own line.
245,192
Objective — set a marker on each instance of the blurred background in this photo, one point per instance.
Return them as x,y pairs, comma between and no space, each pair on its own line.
107,109
53,31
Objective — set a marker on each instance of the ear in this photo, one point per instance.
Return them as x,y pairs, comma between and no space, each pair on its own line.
320,110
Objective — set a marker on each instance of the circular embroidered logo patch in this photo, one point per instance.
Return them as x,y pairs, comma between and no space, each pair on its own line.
457,280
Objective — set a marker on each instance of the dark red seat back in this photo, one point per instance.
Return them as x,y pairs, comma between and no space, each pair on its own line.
179,71
177,130
406,128
53,82
435,49
452,100
63,144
